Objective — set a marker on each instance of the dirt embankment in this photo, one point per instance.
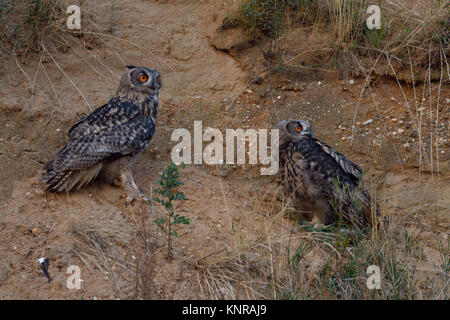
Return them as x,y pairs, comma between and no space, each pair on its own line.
94,229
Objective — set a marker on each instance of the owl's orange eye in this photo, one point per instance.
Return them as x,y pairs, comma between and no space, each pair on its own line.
143,77
298,128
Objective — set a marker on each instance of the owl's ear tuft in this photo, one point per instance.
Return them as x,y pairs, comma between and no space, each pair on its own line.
130,67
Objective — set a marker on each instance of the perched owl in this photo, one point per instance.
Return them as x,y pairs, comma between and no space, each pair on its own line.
324,183
107,141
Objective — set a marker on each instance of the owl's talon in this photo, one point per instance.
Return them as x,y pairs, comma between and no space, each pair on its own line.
136,195
316,222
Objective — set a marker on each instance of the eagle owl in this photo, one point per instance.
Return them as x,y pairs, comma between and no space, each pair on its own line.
107,141
324,183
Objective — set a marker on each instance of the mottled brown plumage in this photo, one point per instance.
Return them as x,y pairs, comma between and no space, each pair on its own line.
325,184
118,130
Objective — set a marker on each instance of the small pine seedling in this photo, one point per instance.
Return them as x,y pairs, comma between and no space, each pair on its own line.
169,182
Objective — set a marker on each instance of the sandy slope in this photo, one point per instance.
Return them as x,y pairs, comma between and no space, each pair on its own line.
94,229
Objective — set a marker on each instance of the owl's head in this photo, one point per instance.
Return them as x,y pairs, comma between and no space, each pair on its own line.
293,129
140,80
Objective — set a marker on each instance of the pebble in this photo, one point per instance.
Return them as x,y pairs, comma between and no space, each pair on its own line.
35,231
367,122
351,81
400,130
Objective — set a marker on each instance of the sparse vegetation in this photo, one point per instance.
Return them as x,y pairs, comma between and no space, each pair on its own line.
34,26
421,32
327,264
169,185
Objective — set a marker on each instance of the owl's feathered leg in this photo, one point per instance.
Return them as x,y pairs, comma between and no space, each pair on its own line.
119,172
129,184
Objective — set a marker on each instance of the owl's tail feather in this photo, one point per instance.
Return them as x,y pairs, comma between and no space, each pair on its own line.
55,180
68,180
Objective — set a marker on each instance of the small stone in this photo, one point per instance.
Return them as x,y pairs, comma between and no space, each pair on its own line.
35,231
367,122
400,130
352,81
39,192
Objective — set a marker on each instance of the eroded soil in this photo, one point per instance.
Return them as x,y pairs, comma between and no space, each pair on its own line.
94,229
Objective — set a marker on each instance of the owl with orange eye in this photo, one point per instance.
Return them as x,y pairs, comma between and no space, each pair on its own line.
325,185
106,142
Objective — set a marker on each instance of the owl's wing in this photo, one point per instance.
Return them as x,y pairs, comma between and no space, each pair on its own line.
348,166
114,113
355,172
103,142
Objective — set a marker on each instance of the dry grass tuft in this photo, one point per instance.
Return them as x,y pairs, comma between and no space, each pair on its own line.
30,25
419,30
97,246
